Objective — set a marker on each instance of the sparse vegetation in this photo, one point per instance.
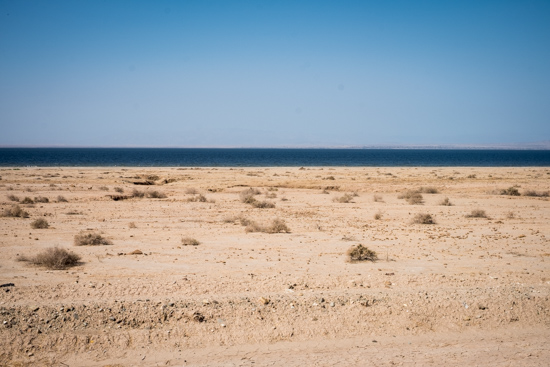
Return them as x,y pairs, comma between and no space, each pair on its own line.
361,253
119,190
346,198
511,191
16,212
53,258
41,199
197,198
510,215
156,195
263,204
378,216
477,213
248,197
138,194
90,239
446,202
423,218
12,197
191,191
277,226
27,200
412,197
103,188
132,225
40,223
377,199
428,190
188,241
61,199
540,194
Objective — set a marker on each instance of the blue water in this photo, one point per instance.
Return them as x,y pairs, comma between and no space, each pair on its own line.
190,157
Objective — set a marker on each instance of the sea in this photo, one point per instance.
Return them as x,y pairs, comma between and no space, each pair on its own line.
252,157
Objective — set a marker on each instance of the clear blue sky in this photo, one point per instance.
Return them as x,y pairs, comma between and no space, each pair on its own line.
273,73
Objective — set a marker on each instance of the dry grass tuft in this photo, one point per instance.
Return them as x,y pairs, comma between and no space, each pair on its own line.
53,258
511,191
377,199
277,226
540,194
412,197
361,253
61,199
423,218
346,198
197,198
156,195
119,190
191,191
40,224
138,194
188,241
12,197
445,202
91,239
477,213
428,190
16,212
378,215
27,200
41,199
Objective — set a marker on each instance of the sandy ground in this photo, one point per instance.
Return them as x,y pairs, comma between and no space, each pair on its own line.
463,291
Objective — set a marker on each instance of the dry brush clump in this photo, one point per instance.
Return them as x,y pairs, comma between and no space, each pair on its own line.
511,191
346,198
540,194
16,212
428,190
12,197
40,223
377,199
248,197
197,198
27,200
477,213
277,226
41,199
361,253
61,199
53,258
446,202
156,195
189,241
91,239
423,218
120,190
412,197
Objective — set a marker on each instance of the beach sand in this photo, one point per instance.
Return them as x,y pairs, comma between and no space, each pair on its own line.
462,291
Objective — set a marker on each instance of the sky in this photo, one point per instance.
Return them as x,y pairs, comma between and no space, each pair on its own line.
273,73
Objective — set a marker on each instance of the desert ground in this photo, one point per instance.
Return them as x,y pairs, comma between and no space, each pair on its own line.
250,267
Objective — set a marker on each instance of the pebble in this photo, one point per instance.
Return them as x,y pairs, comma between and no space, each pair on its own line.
332,304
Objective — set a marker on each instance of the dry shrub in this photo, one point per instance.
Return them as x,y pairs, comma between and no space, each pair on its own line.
477,213
119,190
191,191
61,199
156,195
90,239
423,218
197,198
188,241
277,226
511,191
138,194
510,215
41,199
540,194
428,190
412,197
263,204
27,200
132,225
53,258
346,198
378,216
16,212
40,224
153,178
361,253
103,188
377,199
445,202
12,197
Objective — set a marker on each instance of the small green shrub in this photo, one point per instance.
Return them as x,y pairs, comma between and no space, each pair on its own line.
90,239
40,223
361,253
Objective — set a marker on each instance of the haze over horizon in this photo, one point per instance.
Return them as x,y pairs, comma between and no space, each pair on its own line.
274,74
